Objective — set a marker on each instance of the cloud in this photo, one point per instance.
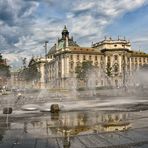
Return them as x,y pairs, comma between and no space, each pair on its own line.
28,23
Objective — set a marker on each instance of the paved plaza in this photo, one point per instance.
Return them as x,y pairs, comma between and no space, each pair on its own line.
85,122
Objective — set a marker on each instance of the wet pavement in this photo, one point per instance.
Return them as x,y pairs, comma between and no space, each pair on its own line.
137,138
97,122
76,129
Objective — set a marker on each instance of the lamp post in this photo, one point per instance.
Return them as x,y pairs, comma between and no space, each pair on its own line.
45,46
45,66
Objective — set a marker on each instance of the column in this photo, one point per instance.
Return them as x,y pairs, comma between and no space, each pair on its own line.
63,66
42,79
120,64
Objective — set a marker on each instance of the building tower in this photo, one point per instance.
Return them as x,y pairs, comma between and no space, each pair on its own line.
65,33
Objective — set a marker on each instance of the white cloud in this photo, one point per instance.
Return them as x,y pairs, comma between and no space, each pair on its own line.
84,5
86,20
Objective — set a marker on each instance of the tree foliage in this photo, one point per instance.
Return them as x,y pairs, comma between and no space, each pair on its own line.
4,68
83,70
31,73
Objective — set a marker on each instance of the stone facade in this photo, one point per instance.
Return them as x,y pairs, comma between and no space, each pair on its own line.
58,67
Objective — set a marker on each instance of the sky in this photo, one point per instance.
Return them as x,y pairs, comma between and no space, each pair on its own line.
26,24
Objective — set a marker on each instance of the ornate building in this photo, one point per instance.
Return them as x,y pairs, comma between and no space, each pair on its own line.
114,62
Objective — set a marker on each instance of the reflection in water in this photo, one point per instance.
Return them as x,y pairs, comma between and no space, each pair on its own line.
66,141
55,116
76,123
3,127
69,124
25,127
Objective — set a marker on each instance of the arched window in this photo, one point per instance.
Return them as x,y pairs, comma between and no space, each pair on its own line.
116,68
89,57
84,58
108,59
71,57
116,57
77,57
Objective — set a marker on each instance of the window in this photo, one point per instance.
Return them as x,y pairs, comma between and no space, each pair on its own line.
96,58
135,59
115,45
77,57
123,57
116,57
108,59
128,59
131,59
139,59
101,58
78,63
96,64
116,68
90,57
71,57
71,65
84,58
101,66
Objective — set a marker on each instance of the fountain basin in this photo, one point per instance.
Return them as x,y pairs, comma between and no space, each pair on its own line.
45,110
30,107
7,110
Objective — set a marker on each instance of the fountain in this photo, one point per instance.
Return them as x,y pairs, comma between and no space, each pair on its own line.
45,115
30,107
91,84
72,86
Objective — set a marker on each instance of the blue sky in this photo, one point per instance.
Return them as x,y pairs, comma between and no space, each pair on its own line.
132,25
26,24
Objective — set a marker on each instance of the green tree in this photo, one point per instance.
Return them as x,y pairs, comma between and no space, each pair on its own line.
83,70
4,68
31,73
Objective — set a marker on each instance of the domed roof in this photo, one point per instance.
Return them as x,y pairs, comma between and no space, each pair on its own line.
62,41
52,49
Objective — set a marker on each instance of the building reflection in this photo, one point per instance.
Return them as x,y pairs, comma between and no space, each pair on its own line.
3,128
113,122
71,124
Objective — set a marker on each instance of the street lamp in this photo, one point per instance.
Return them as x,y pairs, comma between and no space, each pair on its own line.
124,69
45,46
45,66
